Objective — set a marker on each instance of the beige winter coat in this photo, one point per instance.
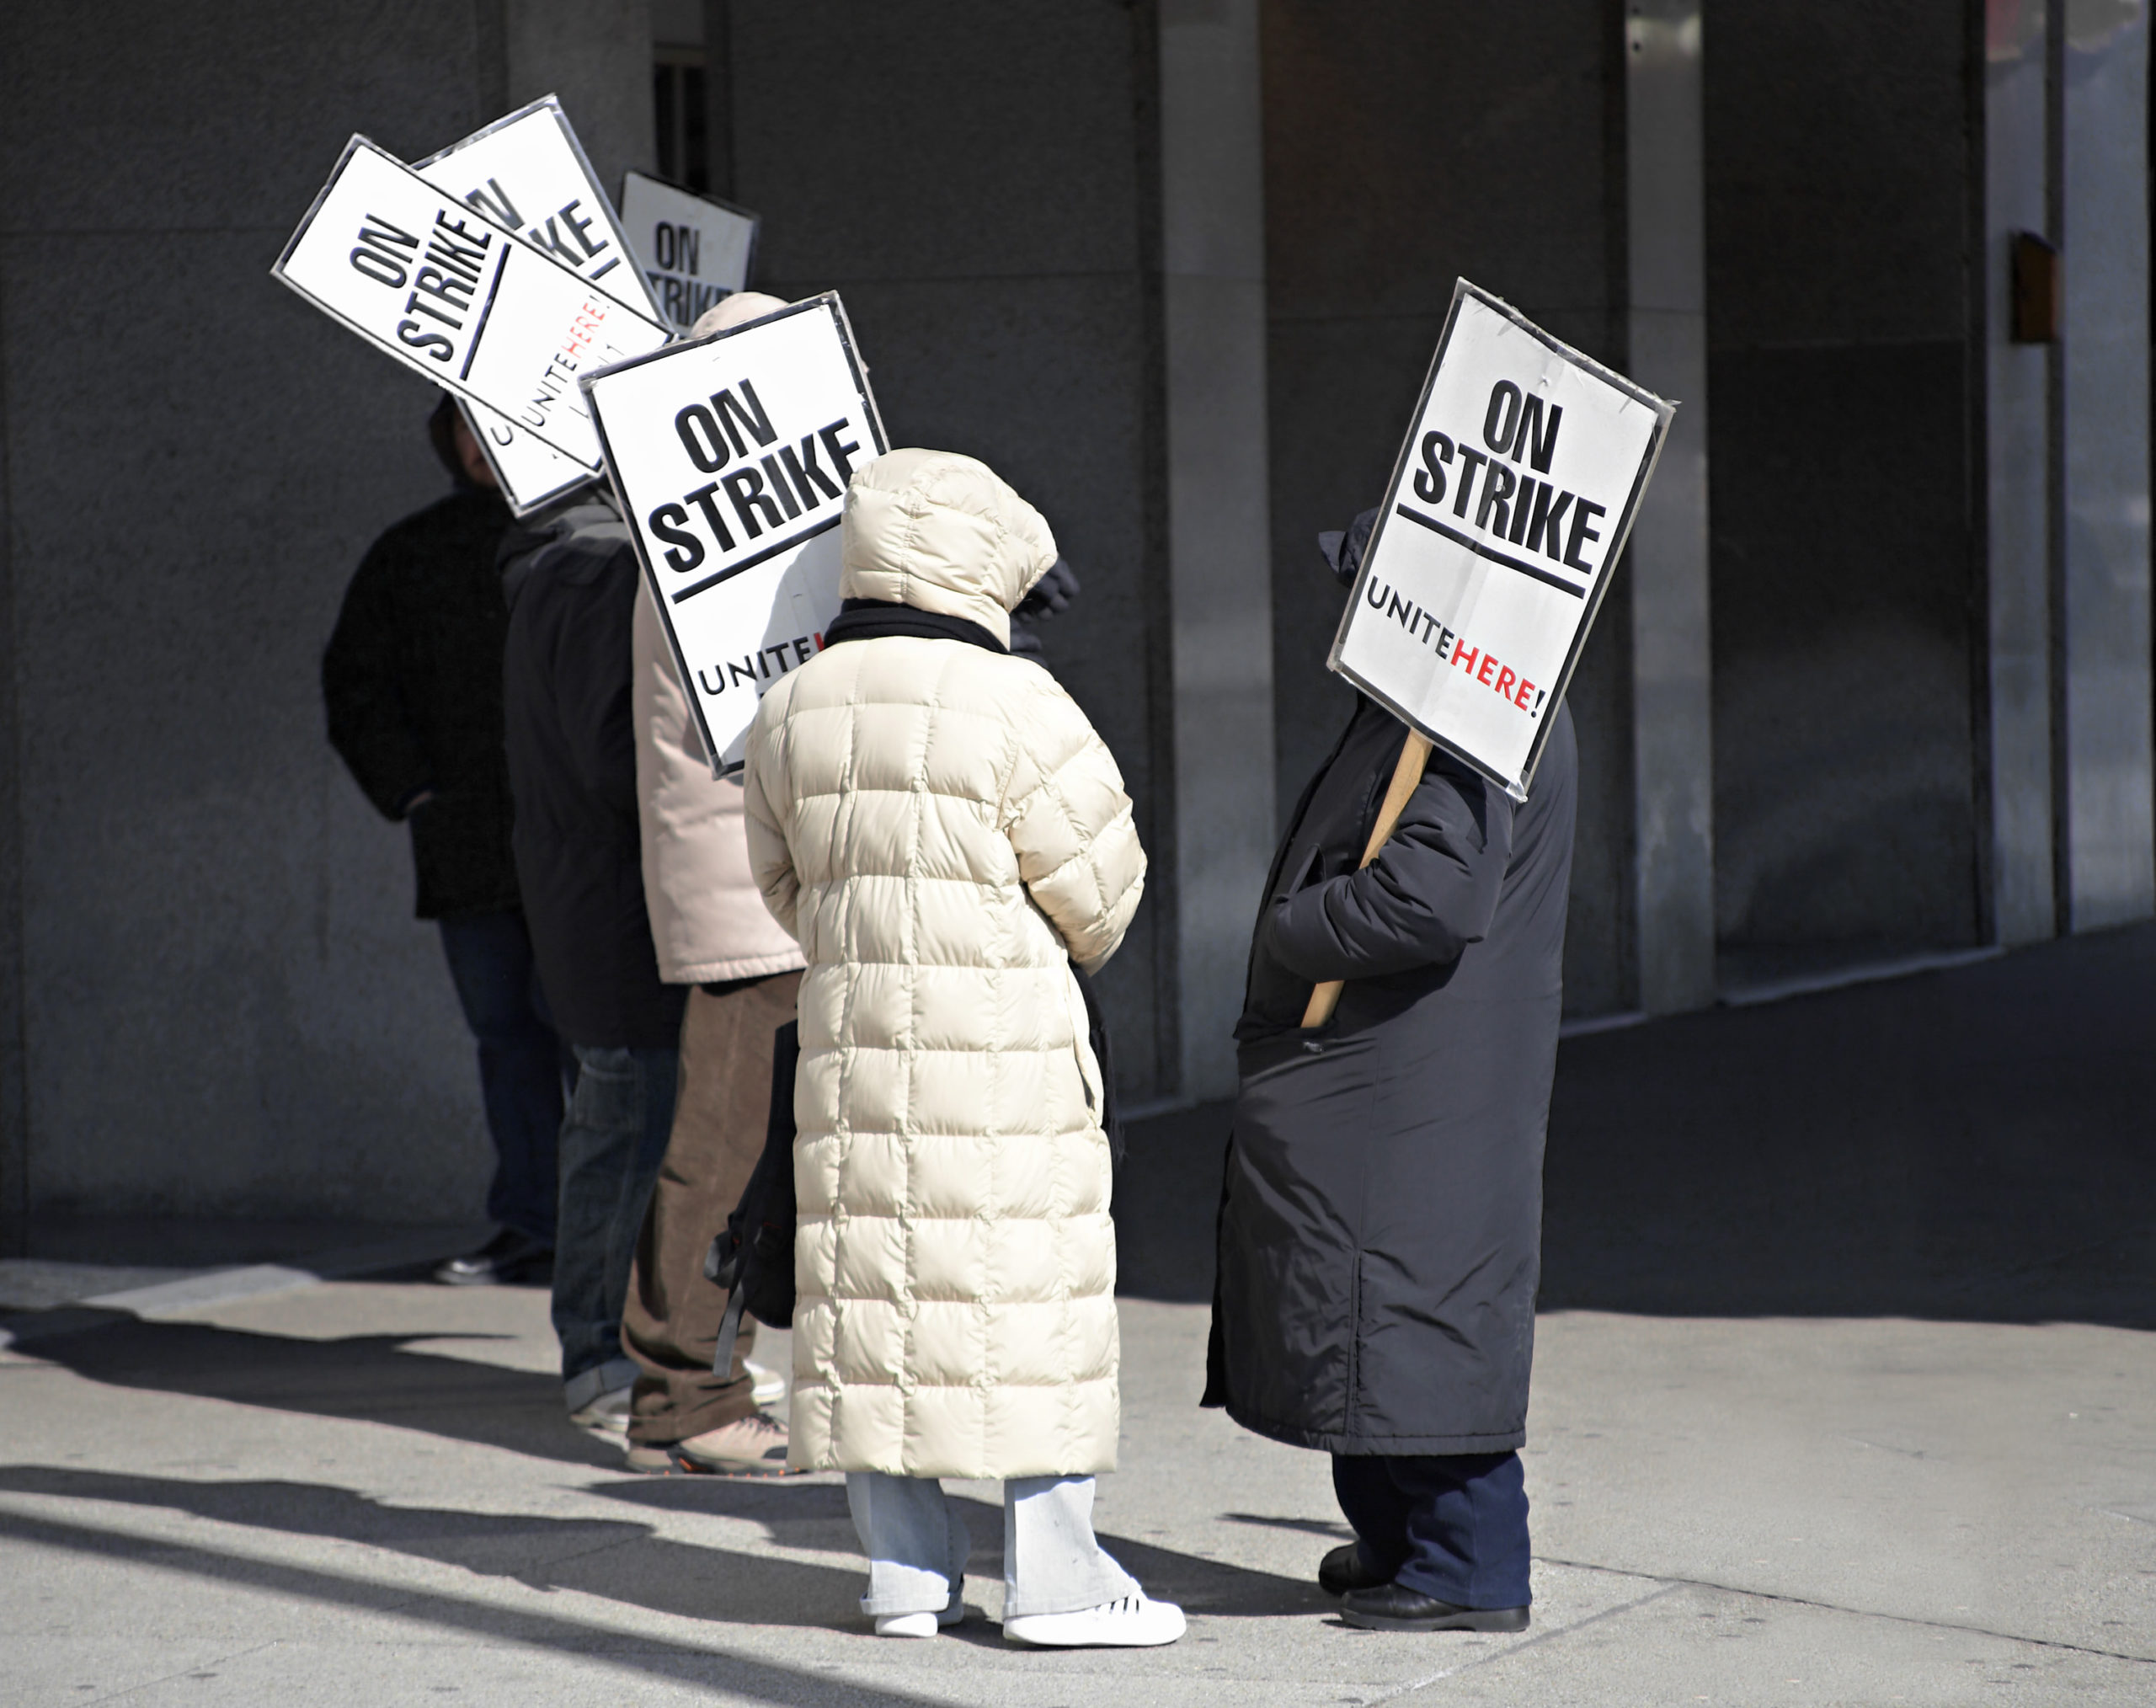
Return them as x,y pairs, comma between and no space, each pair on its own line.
709,922
943,832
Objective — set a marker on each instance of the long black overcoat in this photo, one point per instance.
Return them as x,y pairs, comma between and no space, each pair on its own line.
1380,1228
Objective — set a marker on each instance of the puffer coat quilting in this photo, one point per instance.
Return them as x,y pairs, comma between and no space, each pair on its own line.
943,832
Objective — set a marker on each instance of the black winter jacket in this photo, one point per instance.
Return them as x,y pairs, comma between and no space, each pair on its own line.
412,679
1380,1225
571,582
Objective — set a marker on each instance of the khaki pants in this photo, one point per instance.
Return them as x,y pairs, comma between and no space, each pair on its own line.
670,1321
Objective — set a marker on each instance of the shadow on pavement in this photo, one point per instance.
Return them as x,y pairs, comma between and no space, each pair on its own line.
627,1561
367,1376
1974,1145
676,1663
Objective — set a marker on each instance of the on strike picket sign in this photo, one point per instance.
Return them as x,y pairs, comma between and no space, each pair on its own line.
527,171
695,249
730,457
1510,502
452,295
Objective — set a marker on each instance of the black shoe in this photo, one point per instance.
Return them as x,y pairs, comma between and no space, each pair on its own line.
504,1260
1343,1569
1392,1607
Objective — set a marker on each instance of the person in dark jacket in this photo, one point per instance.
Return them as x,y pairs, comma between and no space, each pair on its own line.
413,683
570,580
1380,1225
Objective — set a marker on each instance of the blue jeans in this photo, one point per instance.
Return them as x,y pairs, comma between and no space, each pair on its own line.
612,1145
524,1070
1452,1526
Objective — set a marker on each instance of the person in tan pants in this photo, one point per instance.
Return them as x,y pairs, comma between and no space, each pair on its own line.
713,932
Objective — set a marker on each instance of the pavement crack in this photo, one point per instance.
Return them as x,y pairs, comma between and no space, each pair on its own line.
1539,1638
183,1672
1909,1618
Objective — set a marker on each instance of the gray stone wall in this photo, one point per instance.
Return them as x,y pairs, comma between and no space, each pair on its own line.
1840,188
224,1003
980,194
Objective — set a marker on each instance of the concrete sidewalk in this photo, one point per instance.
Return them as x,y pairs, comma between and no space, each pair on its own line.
1843,1393
365,1492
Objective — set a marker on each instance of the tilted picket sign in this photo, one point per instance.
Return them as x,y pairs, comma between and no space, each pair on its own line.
527,171
1507,508
730,456
484,313
696,250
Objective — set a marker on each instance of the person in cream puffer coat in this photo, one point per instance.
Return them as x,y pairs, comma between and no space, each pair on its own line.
939,826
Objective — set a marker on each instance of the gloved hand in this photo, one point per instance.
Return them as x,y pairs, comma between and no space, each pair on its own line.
1051,596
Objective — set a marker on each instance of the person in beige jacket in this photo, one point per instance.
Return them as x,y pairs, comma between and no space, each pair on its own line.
713,933
941,828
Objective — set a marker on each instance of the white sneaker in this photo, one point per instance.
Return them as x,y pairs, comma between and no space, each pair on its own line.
771,1386
1132,1623
922,1625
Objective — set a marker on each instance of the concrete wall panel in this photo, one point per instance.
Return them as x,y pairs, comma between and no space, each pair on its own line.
1846,524
979,209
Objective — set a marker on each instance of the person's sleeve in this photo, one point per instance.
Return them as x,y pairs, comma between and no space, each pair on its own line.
1069,823
770,863
593,661
371,725
1430,893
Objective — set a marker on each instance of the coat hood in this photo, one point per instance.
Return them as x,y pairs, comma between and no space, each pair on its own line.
941,532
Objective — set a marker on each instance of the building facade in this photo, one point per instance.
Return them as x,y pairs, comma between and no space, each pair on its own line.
1873,681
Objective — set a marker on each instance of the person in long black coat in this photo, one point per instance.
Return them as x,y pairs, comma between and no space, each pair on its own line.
1380,1225
411,682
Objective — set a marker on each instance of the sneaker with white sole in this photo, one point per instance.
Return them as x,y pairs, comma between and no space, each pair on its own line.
750,1446
1132,1622
771,1386
922,1625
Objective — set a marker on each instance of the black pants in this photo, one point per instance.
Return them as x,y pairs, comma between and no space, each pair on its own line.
1452,1527
524,1070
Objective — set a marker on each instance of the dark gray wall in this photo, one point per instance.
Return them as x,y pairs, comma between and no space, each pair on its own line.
1409,143
1839,184
225,1005
980,194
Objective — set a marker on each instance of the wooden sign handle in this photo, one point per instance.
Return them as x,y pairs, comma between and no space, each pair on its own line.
1405,775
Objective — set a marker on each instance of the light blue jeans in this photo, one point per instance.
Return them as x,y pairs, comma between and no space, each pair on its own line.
917,1545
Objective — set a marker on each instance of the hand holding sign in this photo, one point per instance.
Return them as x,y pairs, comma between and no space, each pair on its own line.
730,457
1510,500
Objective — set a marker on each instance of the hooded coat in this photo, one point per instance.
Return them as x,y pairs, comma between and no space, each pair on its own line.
1381,1226
571,582
944,833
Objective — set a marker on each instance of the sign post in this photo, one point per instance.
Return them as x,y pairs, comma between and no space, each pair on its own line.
528,172
695,249
1506,510
483,314
730,457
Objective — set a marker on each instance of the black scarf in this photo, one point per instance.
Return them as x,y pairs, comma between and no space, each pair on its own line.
873,619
